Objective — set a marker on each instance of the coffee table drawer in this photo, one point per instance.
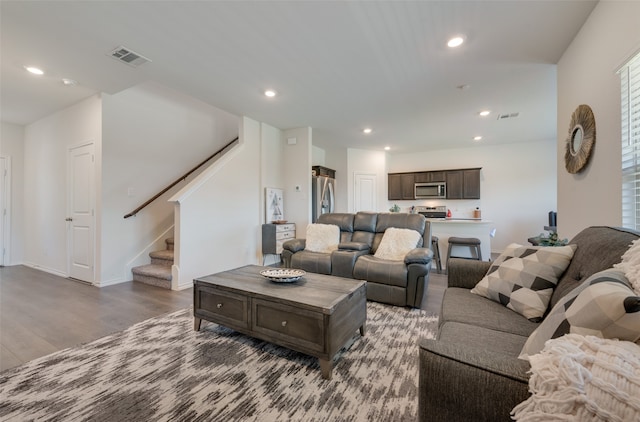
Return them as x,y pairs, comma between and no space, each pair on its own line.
222,307
295,326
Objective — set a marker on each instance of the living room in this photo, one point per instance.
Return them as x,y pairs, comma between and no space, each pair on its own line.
531,174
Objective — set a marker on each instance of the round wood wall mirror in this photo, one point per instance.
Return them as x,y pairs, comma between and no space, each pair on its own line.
581,139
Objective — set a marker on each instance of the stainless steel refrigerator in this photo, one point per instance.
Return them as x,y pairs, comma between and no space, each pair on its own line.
323,193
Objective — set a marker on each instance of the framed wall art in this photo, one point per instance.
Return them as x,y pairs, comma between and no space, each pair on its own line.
274,205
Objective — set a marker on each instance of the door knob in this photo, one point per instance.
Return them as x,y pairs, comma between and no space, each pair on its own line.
68,219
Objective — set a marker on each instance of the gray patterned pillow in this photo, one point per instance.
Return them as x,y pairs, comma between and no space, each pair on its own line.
604,306
523,278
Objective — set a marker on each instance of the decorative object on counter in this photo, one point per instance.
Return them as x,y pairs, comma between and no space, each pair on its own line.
395,208
448,213
551,240
477,214
580,140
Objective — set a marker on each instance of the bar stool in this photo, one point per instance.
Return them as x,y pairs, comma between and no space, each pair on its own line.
436,253
472,242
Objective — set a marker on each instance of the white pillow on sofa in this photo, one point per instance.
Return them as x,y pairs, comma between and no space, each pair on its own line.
322,238
396,243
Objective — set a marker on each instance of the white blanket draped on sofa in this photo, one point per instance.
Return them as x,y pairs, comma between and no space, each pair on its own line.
583,378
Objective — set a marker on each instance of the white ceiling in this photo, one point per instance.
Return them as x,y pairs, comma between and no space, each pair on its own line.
337,66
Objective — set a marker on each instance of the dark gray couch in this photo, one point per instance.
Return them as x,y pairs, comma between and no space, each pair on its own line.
402,283
471,372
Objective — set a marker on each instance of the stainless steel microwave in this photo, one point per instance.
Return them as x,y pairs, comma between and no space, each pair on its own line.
432,190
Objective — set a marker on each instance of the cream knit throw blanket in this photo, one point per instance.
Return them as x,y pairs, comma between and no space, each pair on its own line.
583,378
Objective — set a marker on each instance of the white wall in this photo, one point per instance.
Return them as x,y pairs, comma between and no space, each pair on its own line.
45,181
517,185
152,136
297,172
587,75
369,162
12,147
272,163
220,219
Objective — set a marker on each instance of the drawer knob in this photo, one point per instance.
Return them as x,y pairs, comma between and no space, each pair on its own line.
219,305
284,323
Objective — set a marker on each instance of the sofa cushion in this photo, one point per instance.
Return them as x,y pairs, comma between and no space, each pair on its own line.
479,338
373,269
396,243
604,306
314,262
523,278
322,238
343,220
460,305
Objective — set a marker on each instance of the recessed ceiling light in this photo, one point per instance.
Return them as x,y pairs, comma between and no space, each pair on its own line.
270,93
455,42
477,138
69,82
485,113
367,130
387,148
34,70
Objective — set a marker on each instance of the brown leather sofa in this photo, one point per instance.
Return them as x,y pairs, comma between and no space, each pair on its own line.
402,283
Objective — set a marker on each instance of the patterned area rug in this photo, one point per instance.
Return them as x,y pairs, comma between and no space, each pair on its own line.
162,370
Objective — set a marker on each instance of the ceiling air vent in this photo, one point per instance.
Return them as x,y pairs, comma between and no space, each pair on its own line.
507,116
128,56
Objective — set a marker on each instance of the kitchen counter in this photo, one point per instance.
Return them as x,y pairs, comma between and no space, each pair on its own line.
445,228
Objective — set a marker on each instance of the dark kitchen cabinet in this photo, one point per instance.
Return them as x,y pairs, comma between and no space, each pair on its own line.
471,184
463,184
454,184
430,176
401,186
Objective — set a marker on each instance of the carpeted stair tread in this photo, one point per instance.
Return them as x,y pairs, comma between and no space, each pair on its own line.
169,243
165,254
153,270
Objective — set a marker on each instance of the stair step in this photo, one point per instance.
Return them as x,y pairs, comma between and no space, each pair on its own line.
153,274
163,257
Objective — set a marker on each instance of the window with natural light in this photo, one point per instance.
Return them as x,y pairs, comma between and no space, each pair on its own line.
630,107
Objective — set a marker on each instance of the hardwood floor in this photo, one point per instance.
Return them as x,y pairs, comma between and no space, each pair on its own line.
41,313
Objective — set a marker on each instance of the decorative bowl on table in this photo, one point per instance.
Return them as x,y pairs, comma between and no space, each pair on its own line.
283,275
279,222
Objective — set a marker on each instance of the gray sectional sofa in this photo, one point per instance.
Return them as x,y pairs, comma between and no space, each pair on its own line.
471,371
402,283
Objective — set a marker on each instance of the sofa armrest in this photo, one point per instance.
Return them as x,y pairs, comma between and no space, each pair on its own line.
354,246
418,256
459,383
466,273
294,245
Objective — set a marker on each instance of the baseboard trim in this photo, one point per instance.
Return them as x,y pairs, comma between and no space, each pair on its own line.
111,282
45,269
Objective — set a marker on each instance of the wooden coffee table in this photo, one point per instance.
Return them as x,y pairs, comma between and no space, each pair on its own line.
316,315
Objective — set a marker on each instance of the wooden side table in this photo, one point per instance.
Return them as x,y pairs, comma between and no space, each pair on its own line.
274,235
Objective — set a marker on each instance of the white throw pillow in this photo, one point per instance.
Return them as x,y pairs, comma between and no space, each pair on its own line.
396,243
322,238
630,265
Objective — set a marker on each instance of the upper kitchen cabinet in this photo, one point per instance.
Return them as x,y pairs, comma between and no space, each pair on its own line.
463,184
430,176
401,186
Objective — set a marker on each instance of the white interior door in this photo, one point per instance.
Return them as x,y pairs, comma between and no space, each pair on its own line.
80,216
365,188
4,205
